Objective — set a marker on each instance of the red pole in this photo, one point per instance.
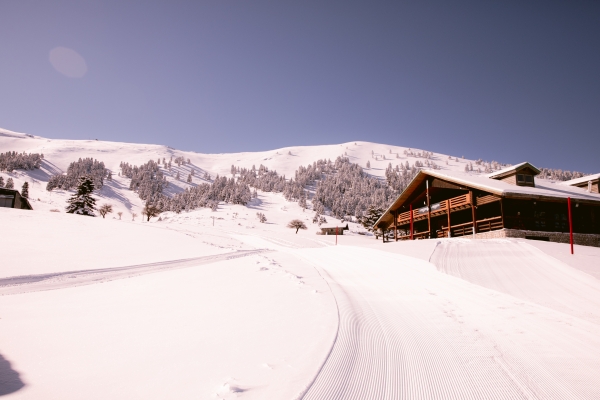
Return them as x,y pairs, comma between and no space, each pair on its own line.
336,235
411,223
570,224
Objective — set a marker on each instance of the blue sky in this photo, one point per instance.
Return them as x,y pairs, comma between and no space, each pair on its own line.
507,81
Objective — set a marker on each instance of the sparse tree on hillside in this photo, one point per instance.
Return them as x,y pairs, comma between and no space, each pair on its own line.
189,178
82,202
296,224
177,177
133,215
261,217
25,190
105,209
120,214
151,210
10,184
368,164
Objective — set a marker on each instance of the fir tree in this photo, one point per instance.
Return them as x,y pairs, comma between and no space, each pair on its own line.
25,190
1,182
82,202
373,214
10,184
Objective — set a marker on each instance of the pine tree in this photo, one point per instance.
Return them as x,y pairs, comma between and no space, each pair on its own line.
1,182
10,184
373,214
82,202
189,178
25,190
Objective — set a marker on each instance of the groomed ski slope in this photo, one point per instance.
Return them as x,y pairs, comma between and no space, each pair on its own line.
299,319
408,331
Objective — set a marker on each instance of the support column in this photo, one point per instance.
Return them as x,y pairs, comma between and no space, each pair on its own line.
412,237
448,210
473,214
395,214
428,208
501,213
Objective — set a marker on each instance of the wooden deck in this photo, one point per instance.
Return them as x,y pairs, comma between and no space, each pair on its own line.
441,208
448,206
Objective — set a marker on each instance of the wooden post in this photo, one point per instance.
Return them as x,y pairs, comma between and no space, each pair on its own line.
395,214
428,208
448,210
473,212
570,224
501,213
412,237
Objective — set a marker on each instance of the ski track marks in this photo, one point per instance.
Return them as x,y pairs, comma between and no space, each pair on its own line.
60,280
407,331
523,271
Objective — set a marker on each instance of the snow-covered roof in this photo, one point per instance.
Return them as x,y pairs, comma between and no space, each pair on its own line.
513,168
544,189
583,179
345,226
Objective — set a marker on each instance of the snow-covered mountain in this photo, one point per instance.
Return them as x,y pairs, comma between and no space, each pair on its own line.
58,154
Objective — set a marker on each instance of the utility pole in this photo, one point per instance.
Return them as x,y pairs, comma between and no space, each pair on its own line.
570,224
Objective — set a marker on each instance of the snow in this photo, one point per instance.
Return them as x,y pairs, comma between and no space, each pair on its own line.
583,179
511,168
542,187
216,305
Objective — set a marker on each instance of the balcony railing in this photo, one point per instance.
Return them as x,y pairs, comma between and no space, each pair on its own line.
443,207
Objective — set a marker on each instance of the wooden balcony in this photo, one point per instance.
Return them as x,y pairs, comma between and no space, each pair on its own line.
441,208
490,224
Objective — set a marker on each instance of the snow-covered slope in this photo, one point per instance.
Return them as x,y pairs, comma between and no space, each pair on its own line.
216,305
59,153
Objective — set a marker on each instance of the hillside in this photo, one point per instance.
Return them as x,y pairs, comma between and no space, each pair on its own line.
285,161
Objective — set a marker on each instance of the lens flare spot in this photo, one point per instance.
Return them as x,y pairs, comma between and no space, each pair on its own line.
68,62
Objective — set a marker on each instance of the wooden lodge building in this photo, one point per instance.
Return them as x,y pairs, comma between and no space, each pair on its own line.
333,229
506,203
12,199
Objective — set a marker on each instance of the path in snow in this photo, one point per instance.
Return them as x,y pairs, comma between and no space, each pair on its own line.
60,280
407,331
521,270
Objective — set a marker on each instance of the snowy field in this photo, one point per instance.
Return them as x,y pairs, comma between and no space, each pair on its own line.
216,305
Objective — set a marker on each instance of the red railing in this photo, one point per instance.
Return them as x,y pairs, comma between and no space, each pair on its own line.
455,202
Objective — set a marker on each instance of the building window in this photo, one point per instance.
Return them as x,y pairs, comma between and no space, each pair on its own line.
529,178
520,178
6,201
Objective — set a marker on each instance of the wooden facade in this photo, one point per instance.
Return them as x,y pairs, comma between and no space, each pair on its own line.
10,198
331,230
438,207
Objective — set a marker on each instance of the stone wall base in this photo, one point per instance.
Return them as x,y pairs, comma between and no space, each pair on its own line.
583,239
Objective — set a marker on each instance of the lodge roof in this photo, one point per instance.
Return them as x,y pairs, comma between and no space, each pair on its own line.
583,179
544,189
513,169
